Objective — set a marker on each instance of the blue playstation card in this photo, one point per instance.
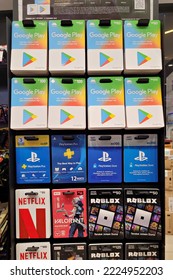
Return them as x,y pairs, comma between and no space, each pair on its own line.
104,159
68,158
32,159
140,158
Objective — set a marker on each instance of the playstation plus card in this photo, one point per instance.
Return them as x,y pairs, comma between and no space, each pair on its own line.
69,213
105,216
140,158
68,158
32,159
104,159
143,214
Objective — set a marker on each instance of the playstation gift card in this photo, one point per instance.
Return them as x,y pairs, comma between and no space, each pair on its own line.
69,251
68,158
142,214
105,216
104,159
142,251
32,159
105,251
69,213
140,158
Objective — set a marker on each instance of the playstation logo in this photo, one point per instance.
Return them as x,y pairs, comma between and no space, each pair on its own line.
105,157
141,156
33,157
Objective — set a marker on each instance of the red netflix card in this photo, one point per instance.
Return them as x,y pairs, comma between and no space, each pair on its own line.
33,213
33,251
69,213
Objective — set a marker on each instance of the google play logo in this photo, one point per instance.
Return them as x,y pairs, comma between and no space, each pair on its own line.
66,59
65,116
28,59
106,116
143,116
28,116
105,59
142,58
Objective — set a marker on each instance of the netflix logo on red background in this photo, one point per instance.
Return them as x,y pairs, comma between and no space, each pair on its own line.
33,213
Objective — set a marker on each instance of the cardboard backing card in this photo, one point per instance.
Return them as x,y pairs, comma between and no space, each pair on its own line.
142,251
33,213
105,251
105,213
69,251
69,213
143,214
33,251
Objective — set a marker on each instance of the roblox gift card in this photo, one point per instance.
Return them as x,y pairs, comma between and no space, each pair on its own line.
142,251
33,251
105,251
69,213
69,251
33,213
105,213
142,214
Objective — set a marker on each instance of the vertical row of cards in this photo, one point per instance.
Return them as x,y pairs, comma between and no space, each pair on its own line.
107,156
111,213
112,103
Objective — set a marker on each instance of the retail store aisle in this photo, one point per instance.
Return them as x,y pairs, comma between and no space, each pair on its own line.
169,247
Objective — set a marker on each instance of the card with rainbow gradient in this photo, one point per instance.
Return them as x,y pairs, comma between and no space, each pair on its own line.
29,48
29,103
143,99
142,42
106,103
104,47
67,100
67,47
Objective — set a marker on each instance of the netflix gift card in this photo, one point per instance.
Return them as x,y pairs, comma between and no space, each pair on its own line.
33,251
69,213
33,213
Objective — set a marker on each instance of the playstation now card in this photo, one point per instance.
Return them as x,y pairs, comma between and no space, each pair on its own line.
69,213
69,251
105,216
105,251
33,251
68,158
104,159
33,214
32,159
142,251
143,214
140,158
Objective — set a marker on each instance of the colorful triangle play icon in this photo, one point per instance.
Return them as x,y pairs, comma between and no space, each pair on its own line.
65,116
142,58
28,116
66,59
105,59
106,116
28,59
42,9
143,116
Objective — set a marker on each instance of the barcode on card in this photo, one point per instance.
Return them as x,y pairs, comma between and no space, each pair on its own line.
139,4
